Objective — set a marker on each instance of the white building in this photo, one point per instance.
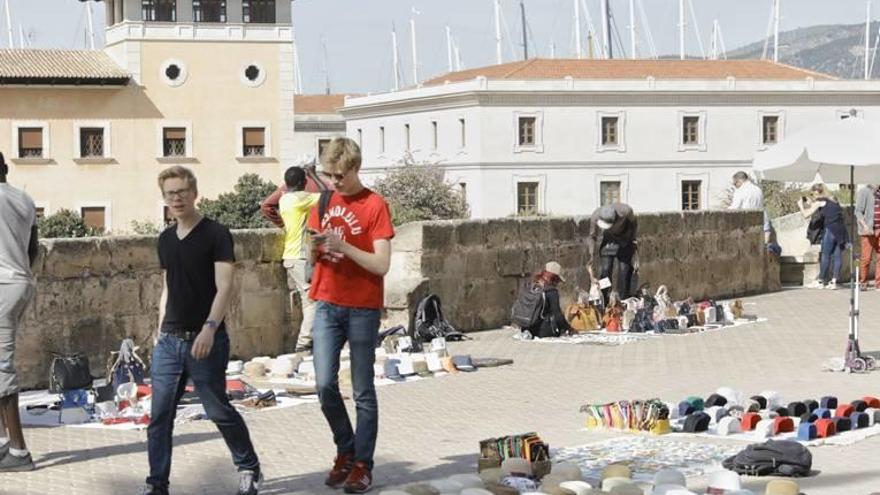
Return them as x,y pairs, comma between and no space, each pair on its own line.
564,136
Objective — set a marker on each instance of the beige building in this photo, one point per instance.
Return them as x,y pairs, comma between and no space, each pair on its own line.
208,84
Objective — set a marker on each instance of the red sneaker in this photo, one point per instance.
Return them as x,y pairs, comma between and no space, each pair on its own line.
342,466
360,480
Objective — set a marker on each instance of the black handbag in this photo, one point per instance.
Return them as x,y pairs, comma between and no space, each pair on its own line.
69,372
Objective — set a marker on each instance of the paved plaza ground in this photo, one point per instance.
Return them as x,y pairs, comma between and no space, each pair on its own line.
430,428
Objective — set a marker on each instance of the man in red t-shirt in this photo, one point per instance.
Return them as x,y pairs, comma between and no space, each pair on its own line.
351,250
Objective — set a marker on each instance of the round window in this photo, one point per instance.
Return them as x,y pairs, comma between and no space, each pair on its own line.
173,72
252,74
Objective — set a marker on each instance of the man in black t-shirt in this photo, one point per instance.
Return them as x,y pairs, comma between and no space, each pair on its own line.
196,256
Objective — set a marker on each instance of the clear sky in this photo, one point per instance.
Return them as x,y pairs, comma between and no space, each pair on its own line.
357,33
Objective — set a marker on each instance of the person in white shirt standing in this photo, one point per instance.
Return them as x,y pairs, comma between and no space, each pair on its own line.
18,250
748,196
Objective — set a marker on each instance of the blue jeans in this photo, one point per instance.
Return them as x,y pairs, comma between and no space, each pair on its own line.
334,326
172,365
832,253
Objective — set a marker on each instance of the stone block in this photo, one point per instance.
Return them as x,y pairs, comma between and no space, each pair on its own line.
262,308
438,236
471,234
408,237
562,229
501,232
512,262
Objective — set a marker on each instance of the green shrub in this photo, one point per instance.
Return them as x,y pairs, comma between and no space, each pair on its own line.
240,209
420,192
65,223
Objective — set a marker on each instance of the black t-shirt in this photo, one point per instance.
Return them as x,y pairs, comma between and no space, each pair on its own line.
189,268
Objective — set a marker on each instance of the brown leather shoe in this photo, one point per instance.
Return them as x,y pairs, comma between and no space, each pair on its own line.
360,480
342,465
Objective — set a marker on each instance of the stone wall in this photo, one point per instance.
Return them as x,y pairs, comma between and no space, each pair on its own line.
91,293
477,267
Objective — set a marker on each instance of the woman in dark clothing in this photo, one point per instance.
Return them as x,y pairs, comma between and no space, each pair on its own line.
552,322
834,236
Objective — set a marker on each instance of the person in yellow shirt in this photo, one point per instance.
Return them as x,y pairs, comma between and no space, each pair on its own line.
293,208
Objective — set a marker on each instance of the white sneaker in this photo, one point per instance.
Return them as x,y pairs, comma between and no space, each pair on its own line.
832,285
816,284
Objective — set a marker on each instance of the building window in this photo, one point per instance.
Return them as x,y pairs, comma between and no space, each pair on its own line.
527,131
94,217
41,212
434,135
406,137
253,141
30,142
690,194
360,138
159,10
258,11
381,139
209,10
770,129
690,130
609,192
463,132
526,198
462,188
322,144
91,142
609,131
173,141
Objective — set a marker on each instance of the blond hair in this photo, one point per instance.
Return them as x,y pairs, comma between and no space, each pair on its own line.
819,189
343,152
178,172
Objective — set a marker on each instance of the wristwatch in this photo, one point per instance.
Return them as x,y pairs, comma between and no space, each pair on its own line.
212,324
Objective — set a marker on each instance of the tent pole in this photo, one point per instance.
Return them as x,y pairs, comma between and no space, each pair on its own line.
853,275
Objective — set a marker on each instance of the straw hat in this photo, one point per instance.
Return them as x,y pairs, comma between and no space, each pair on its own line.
616,471
723,480
782,487
669,489
578,487
628,489
669,476
608,484
567,471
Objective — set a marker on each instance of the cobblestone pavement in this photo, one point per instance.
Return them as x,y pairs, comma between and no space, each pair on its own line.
430,428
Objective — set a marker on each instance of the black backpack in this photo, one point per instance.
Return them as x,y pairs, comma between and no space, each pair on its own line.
528,309
430,323
773,457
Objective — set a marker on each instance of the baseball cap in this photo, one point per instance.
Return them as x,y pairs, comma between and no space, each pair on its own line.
463,362
721,482
554,268
607,216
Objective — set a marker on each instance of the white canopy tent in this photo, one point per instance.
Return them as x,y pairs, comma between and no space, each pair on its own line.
845,150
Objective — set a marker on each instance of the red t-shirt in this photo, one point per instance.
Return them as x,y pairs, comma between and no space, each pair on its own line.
360,219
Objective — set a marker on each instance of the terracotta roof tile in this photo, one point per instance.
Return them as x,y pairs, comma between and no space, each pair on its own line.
318,103
59,67
632,69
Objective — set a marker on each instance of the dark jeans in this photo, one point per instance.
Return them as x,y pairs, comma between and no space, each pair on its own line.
831,256
334,326
624,259
171,367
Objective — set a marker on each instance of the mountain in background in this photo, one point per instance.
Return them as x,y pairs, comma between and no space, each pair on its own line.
837,50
